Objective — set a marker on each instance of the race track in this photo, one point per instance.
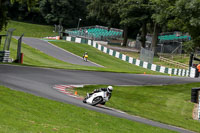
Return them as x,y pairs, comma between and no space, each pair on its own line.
40,82
56,52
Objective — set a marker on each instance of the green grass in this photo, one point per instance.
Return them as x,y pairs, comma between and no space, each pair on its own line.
35,57
38,31
30,30
110,63
167,104
25,113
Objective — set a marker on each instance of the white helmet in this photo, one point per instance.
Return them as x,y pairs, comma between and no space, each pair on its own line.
109,88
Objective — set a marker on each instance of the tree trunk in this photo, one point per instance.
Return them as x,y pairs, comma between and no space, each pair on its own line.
155,38
143,34
125,35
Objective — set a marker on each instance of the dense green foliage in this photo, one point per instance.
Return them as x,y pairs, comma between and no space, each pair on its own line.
3,14
188,14
66,12
134,16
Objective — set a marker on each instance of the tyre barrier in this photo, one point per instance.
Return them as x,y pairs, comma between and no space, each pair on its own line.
195,98
4,56
171,71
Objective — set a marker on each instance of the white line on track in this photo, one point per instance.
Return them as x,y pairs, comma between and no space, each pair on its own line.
74,54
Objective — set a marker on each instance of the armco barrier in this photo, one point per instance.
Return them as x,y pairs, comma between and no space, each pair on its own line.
153,67
4,56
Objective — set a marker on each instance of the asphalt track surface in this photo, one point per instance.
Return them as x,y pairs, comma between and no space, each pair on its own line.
56,52
40,82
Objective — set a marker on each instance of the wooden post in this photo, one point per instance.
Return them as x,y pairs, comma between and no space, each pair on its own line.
21,58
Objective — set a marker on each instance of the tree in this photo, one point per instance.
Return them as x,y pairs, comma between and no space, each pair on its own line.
125,13
162,15
188,16
104,11
135,13
3,13
66,12
4,4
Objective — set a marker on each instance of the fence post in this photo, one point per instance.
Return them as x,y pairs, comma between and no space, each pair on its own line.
18,60
8,40
21,58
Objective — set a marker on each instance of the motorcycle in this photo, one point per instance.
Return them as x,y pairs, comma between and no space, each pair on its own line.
85,57
97,98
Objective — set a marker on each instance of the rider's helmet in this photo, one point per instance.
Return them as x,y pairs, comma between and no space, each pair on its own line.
110,89
85,52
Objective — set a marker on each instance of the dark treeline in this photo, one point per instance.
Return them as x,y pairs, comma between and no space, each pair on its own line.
133,16
64,12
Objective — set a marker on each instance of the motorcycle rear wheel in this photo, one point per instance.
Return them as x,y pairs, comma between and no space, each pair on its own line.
96,100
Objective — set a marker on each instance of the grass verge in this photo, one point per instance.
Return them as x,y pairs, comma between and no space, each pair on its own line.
25,113
38,31
110,63
35,57
30,30
168,104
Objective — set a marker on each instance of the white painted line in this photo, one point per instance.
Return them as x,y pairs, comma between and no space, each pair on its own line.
169,70
179,73
130,60
145,64
153,67
99,47
89,42
123,57
137,62
94,44
175,71
74,54
105,50
117,54
183,73
68,39
111,52
162,69
78,40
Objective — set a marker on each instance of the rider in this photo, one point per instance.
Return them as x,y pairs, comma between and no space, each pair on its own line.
85,55
109,89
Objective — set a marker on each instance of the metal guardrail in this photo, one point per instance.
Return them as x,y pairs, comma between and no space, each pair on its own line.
175,63
4,56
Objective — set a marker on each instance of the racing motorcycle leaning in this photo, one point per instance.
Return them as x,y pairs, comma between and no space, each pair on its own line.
99,97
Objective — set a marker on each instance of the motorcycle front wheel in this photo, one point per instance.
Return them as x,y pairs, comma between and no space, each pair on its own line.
96,101
84,101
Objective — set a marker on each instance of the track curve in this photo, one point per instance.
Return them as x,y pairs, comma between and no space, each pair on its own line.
56,52
39,81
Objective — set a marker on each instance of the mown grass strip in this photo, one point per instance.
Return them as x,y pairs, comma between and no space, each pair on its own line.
30,30
109,62
167,104
34,57
25,113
